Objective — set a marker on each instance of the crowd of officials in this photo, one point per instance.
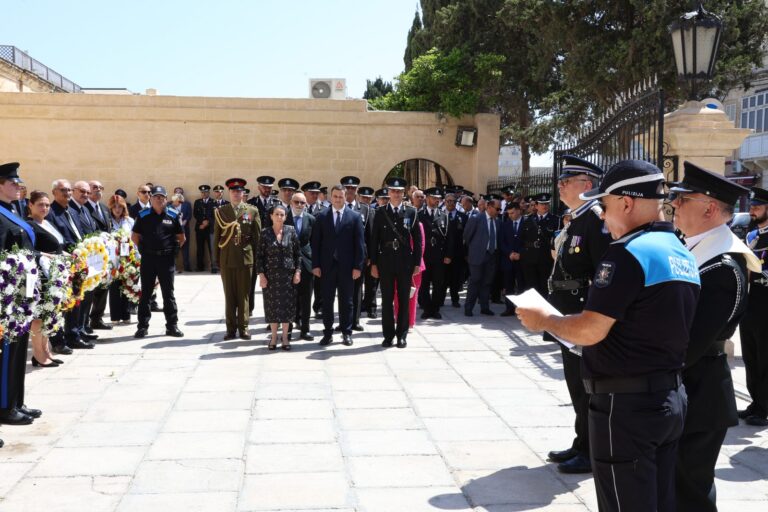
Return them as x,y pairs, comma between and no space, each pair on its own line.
647,303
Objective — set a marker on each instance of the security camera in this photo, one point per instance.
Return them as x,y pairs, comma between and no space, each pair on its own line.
439,131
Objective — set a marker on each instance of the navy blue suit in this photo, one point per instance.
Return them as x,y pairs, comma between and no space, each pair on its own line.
509,242
482,255
336,251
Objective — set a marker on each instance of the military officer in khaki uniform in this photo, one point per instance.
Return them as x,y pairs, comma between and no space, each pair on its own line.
237,227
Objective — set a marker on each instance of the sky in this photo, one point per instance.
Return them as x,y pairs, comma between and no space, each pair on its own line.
231,48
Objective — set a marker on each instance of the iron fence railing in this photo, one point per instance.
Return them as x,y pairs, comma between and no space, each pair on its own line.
24,61
536,182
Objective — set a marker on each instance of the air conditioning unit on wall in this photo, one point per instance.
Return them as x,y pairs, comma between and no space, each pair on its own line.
328,88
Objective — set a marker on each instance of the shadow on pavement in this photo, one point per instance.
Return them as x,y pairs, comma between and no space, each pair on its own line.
204,322
516,488
183,342
324,355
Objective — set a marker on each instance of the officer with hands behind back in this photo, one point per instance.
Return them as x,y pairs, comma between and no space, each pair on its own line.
158,235
579,247
634,332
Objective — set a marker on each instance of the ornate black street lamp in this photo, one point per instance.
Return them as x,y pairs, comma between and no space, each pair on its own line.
695,38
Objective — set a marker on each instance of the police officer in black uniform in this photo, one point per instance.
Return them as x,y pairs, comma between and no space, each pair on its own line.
438,254
457,268
159,236
202,212
395,257
578,250
703,204
634,331
264,201
536,234
14,232
754,325
371,285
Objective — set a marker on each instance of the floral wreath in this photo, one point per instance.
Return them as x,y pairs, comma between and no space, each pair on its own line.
89,266
129,267
56,292
17,310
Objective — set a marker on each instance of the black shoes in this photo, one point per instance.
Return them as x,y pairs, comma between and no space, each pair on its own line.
61,349
456,304
562,455
307,337
487,312
756,421
386,343
245,335
15,417
401,343
140,332
372,314
575,465
80,344
437,316
174,331
327,340
37,363
155,308
425,315
358,328
229,336
34,413
99,324
746,413
468,312
347,340
89,337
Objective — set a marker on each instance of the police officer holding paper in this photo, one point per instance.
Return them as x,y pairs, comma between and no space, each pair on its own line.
634,331
578,250
703,204
158,235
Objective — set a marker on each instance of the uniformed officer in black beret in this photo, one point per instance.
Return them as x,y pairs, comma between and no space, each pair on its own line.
703,204
158,235
395,254
754,325
634,332
578,251
14,232
536,233
438,254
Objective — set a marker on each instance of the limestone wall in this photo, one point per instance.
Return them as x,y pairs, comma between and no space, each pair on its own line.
186,141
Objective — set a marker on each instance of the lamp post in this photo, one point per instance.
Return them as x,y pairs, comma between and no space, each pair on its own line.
695,38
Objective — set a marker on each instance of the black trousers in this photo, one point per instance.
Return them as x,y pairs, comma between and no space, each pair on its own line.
432,289
252,292
118,303
158,268
100,296
536,274
480,279
85,310
304,300
695,470
513,282
185,250
317,302
357,300
754,349
72,325
13,363
337,279
391,274
370,287
456,275
203,241
579,399
633,439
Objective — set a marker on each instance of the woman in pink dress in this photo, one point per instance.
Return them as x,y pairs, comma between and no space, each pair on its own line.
416,283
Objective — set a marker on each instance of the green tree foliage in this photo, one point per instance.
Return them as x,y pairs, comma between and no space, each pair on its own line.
376,88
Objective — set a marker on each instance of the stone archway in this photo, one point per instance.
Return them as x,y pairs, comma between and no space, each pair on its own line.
422,172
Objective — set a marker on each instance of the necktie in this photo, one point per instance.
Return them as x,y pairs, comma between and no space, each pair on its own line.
86,219
298,224
72,224
492,236
397,210
516,226
98,212
349,205
338,219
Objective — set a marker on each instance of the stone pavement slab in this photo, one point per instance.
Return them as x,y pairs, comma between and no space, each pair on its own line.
461,420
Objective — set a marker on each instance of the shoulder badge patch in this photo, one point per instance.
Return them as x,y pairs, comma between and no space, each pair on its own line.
604,274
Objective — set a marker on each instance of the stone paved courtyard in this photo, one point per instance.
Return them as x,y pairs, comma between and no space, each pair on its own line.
461,420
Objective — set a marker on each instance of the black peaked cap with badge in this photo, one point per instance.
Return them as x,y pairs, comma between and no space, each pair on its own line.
158,190
204,188
365,191
701,181
218,188
543,198
573,166
396,183
236,183
633,178
311,186
434,192
10,172
288,183
350,181
758,196
266,181
382,192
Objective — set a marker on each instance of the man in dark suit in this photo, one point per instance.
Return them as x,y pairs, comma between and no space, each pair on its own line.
338,256
21,204
351,185
81,192
482,238
185,208
201,211
142,201
510,246
302,221
103,222
456,269
67,221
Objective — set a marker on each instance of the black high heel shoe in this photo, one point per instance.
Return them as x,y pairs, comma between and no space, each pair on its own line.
37,363
58,361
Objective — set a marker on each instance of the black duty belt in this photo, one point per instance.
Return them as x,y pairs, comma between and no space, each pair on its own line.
533,245
567,285
394,244
164,252
642,384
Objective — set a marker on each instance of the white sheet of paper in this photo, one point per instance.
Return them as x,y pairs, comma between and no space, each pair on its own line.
533,299
31,283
